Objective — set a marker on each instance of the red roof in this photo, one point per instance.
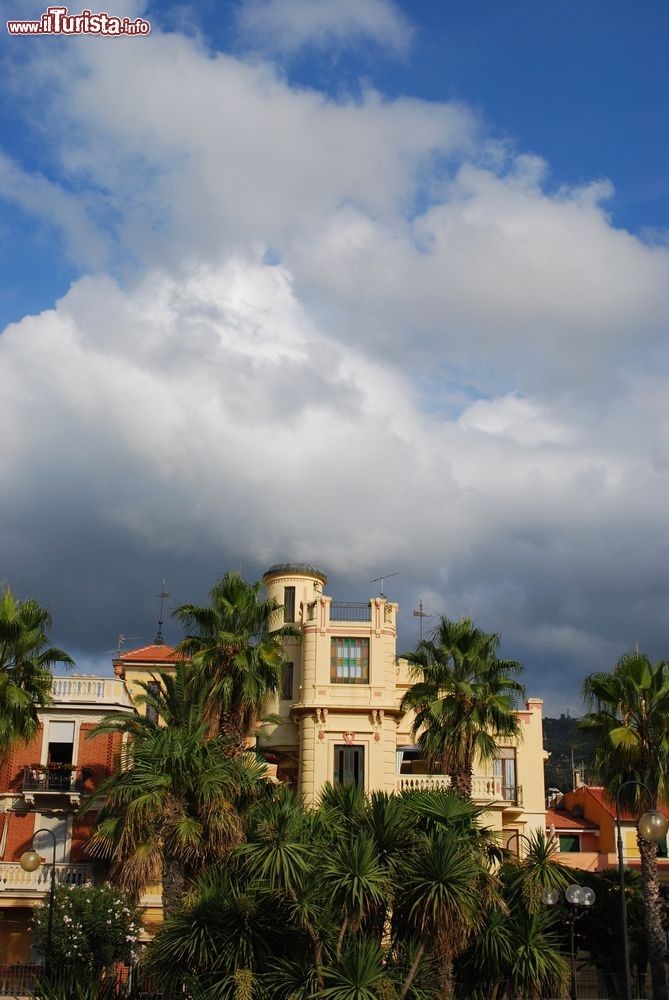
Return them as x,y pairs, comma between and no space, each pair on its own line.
152,654
600,796
561,819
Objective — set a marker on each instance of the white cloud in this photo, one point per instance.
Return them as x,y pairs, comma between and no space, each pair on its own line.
455,370
519,286
521,420
210,410
288,25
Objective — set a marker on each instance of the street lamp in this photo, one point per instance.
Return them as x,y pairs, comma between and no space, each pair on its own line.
579,898
30,862
652,826
517,835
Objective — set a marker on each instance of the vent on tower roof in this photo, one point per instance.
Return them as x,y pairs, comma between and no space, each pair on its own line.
298,569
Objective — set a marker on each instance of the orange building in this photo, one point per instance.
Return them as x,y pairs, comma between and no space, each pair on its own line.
584,824
42,786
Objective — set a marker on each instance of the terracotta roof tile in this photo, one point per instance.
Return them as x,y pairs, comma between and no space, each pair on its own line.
152,654
561,819
600,796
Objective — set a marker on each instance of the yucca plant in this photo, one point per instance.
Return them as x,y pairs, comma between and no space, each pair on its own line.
358,975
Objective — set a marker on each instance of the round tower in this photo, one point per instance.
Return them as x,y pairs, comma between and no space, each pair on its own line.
293,586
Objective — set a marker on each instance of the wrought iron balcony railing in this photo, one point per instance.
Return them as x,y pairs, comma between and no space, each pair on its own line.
513,793
50,778
350,611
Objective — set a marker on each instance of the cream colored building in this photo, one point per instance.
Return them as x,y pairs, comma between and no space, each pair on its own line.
340,707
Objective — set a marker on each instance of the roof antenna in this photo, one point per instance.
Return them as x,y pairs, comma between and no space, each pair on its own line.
386,576
121,639
159,641
420,614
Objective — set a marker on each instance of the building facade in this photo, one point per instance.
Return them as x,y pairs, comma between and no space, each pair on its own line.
583,824
43,785
340,709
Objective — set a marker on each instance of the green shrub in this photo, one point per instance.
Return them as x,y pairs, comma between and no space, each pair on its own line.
94,928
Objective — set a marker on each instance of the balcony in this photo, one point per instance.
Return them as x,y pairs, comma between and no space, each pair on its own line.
350,611
90,690
13,879
484,789
49,779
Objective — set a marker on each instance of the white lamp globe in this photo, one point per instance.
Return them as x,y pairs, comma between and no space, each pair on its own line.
653,826
574,895
588,896
30,861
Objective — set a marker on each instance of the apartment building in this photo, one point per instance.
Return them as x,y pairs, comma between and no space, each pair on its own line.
42,786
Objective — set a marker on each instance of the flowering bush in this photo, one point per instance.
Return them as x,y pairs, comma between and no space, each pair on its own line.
94,927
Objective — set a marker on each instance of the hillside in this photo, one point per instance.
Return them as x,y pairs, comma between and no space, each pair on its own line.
562,739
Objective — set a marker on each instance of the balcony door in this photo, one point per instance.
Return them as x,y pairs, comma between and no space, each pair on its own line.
58,825
504,768
349,765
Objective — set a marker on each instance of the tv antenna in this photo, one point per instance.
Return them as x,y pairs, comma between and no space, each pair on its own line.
386,576
121,639
159,641
420,614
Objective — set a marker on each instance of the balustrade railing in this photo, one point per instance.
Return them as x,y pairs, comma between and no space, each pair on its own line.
484,789
109,690
12,876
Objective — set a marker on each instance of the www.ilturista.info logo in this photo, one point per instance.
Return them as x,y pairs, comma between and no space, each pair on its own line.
57,21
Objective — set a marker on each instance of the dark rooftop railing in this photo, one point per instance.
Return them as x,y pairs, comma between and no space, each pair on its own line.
350,611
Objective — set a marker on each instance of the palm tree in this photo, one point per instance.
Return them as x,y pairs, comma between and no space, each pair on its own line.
444,888
234,650
629,713
230,931
375,902
464,698
517,949
25,662
172,807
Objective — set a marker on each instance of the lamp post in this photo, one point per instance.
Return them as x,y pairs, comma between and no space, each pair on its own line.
517,835
579,898
30,862
652,826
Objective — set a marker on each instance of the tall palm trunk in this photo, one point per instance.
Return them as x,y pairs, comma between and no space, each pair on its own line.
652,913
461,782
174,883
232,728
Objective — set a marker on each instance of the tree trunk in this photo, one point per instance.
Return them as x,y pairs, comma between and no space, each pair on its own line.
420,950
317,947
340,939
461,781
652,913
229,727
174,884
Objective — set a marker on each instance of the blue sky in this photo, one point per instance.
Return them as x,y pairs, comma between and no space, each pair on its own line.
382,286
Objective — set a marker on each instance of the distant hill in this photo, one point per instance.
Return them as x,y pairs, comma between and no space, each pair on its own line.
562,737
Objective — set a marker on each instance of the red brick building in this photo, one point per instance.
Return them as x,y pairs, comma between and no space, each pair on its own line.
43,784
